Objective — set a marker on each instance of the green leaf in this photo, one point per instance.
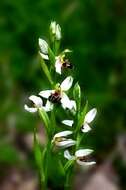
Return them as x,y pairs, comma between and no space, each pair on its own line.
82,114
77,95
80,119
45,119
38,156
46,71
53,121
57,46
51,56
79,137
37,151
61,168
68,164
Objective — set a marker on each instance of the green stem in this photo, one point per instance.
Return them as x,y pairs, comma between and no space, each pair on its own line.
67,185
42,181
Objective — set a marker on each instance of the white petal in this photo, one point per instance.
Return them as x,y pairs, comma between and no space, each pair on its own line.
58,66
90,115
62,134
67,155
67,51
44,56
46,93
31,110
73,104
86,128
67,83
48,106
43,46
85,163
83,152
65,143
68,122
65,101
36,100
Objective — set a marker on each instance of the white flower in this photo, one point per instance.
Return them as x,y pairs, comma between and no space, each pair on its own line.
61,141
58,65
59,95
81,156
68,122
38,104
43,49
89,117
62,63
55,30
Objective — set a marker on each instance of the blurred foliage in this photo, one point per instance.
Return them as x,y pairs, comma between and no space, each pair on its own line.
95,31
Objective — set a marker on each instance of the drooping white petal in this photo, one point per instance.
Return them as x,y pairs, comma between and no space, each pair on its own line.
67,83
68,156
85,163
66,143
43,46
48,106
68,122
86,128
58,65
83,152
89,117
62,134
44,56
65,101
36,100
46,93
31,110
73,104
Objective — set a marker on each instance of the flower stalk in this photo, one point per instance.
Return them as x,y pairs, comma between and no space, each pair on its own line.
66,145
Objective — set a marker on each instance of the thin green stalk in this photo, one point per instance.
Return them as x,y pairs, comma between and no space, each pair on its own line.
68,185
46,71
39,156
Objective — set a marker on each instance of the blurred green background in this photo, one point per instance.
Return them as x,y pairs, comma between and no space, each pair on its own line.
96,32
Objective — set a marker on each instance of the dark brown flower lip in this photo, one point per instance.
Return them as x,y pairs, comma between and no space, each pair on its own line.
55,97
67,64
87,158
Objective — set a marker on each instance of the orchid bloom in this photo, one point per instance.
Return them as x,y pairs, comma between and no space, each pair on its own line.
59,95
38,104
60,139
89,117
62,63
82,157
43,49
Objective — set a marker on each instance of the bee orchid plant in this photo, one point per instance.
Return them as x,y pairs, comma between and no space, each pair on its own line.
66,94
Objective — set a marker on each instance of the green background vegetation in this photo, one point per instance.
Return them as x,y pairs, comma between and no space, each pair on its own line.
96,32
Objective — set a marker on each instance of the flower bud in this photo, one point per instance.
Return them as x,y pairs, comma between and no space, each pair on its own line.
55,30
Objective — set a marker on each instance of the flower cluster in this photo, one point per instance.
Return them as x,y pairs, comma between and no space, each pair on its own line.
58,93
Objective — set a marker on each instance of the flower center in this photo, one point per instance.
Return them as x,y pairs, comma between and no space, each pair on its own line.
87,158
67,64
55,97
60,139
